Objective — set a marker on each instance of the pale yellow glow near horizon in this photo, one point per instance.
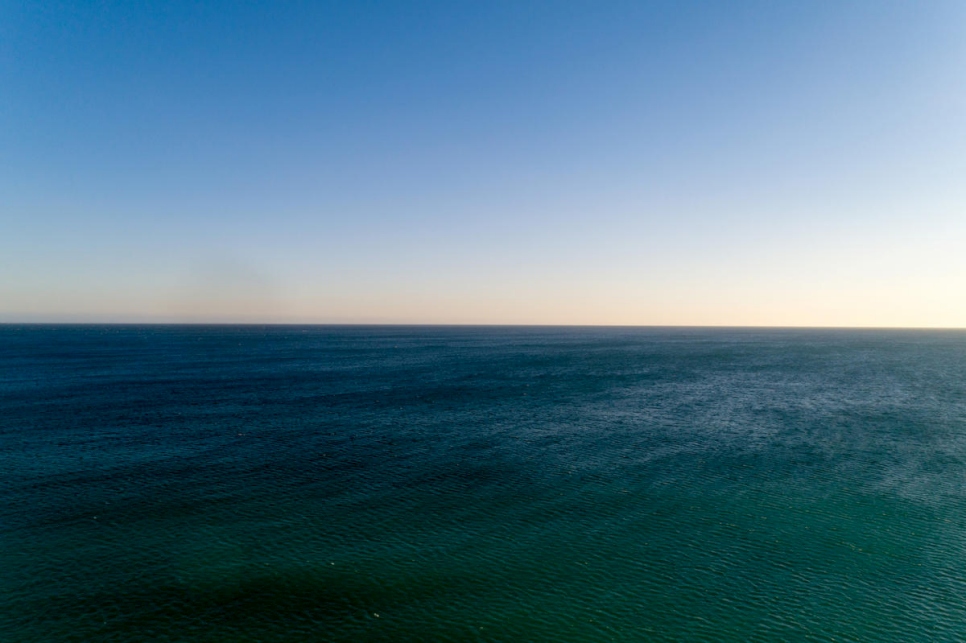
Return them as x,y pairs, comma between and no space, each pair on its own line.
908,283
906,271
888,301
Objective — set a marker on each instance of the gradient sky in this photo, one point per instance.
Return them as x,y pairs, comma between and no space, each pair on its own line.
697,163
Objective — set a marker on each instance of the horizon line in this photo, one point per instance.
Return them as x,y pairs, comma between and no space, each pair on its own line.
467,325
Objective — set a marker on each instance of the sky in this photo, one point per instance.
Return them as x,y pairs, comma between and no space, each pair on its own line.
627,163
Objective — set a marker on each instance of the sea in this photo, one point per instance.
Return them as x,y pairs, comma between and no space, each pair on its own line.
389,483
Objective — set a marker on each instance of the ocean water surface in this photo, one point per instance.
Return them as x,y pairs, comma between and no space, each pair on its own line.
162,483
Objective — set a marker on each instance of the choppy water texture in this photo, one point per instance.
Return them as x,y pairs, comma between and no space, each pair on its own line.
412,484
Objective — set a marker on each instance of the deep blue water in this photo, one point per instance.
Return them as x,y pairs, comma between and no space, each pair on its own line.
505,484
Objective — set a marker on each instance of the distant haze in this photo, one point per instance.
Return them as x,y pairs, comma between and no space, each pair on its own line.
692,163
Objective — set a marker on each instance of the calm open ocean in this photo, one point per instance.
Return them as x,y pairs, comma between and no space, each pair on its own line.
459,484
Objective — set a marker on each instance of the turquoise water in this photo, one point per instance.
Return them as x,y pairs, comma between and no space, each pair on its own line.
488,484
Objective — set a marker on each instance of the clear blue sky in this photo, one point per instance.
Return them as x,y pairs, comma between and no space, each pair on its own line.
764,163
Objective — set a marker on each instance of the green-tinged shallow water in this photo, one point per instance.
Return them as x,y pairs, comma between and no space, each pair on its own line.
461,484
